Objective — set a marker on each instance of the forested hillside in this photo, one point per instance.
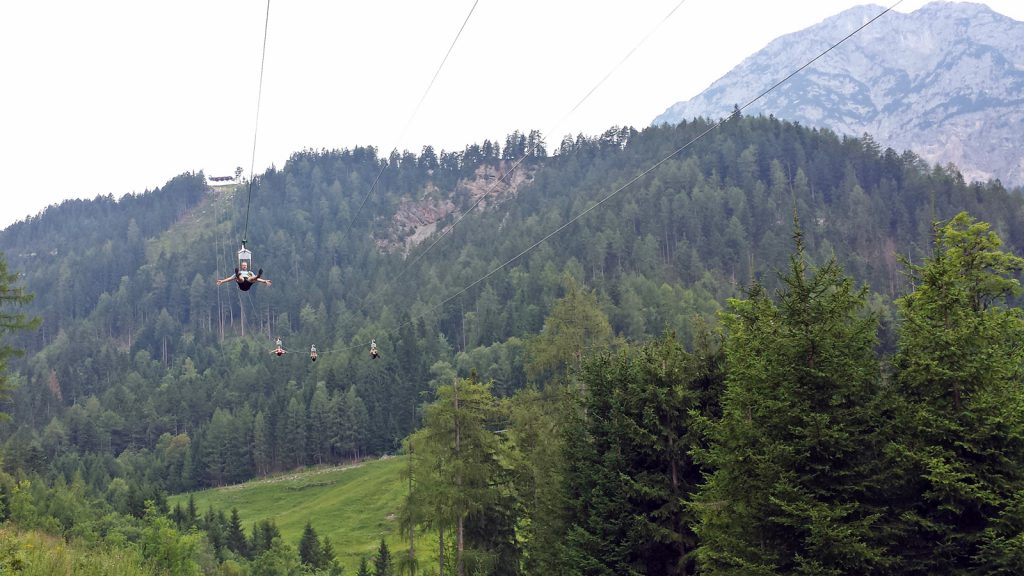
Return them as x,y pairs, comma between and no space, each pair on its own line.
145,378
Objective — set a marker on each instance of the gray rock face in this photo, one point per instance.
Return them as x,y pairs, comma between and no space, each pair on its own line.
946,81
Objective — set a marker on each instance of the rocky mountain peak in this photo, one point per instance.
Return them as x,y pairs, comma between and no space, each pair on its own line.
946,81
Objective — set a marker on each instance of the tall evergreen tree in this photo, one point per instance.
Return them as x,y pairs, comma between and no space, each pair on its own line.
264,533
352,420
236,540
319,424
959,367
309,547
262,446
328,558
798,456
382,561
629,472
217,445
191,513
294,441
11,295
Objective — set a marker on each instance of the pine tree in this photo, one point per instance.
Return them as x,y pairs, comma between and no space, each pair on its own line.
959,368
217,447
352,420
798,456
178,516
216,531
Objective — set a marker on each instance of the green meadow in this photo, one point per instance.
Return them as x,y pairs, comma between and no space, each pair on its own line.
355,506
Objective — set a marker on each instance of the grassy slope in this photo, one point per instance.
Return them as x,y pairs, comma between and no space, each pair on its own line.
354,506
33,553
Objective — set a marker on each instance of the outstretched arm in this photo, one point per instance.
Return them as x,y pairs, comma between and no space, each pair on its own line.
228,279
264,280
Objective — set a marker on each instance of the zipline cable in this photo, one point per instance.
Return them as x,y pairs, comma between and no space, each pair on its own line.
408,124
218,251
256,127
416,110
676,152
624,59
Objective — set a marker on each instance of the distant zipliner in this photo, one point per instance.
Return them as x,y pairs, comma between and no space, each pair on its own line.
312,352
373,349
279,348
243,275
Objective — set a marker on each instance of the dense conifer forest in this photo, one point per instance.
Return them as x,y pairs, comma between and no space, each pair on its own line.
776,351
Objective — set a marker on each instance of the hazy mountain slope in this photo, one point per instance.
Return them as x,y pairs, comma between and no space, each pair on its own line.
140,353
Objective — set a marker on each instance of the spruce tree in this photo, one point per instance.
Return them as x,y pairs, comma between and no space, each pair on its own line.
236,540
328,558
319,424
191,514
264,532
628,468
262,449
798,456
382,562
959,368
294,441
178,516
309,547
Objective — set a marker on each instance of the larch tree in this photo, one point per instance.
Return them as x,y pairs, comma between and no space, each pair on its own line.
459,465
538,418
575,327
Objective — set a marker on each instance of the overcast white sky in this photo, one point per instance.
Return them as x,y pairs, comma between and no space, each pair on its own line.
113,97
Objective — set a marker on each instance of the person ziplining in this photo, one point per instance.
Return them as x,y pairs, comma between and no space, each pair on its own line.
279,348
245,277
